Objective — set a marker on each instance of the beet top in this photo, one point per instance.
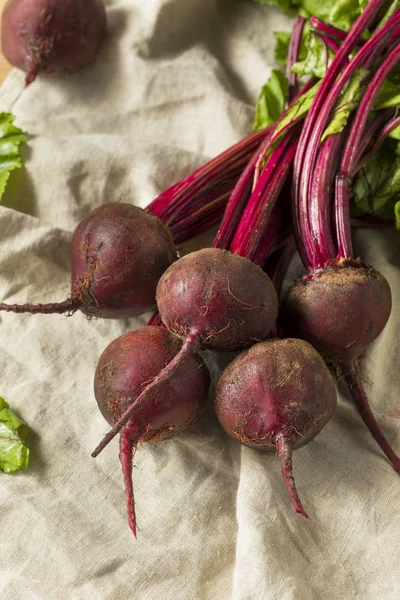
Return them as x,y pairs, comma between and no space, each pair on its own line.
276,396
126,366
53,37
118,254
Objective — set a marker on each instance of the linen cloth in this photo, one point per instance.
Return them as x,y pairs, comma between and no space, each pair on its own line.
174,84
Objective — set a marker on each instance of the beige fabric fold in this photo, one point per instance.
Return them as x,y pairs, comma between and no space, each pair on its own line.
175,83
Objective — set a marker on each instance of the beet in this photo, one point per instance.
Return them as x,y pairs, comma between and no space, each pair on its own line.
276,396
52,37
125,368
211,299
340,309
118,254
224,299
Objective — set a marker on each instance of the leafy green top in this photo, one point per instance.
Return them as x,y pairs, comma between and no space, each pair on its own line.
14,454
11,138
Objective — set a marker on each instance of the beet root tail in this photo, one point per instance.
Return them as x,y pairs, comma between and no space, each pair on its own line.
189,346
70,306
360,398
126,451
284,450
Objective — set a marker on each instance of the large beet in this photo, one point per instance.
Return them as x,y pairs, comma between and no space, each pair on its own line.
126,366
53,37
226,299
339,309
118,254
277,396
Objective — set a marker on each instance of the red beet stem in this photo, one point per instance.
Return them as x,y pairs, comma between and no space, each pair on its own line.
293,55
172,201
321,198
256,229
360,398
327,29
317,117
352,151
126,451
189,346
388,128
238,200
284,450
155,320
68,306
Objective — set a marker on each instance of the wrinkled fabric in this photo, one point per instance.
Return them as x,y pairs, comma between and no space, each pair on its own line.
174,84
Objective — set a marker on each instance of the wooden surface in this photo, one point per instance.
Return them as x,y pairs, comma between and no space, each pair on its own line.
5,67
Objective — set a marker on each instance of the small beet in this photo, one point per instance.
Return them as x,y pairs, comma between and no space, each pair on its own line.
118,254
52,37
125,368
276,396
211,299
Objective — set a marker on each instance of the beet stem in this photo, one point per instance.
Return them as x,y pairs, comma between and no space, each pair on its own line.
126,452
68,306
284,450
327,29
293,55
317,117
189,346
352,151
360,398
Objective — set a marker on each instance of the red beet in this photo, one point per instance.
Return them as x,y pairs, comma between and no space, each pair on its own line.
277,396
222,298
214,299
52,37
119,253
341,309
125,368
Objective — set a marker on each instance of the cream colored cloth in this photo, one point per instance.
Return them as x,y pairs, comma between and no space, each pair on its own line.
175,83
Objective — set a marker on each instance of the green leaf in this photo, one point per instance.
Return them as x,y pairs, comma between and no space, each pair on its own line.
388,96
11,139
272,100
14,454
316,58
348,102
286,5
376,188
397,215
282,46
395,134
318,8
299,108
344,12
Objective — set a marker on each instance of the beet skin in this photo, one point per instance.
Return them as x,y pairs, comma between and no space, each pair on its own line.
340,309
276,396
224,298
211,299
52,37
118,254
126,366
